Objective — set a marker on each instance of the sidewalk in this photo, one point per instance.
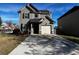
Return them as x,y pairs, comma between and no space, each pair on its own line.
20,50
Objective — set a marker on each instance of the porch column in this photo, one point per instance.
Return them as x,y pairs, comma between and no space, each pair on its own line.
31,29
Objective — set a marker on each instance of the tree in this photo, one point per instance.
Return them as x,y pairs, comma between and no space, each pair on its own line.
0,21
9,22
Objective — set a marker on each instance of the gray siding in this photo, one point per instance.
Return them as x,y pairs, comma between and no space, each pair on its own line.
23,20
45,22
43,15
32,15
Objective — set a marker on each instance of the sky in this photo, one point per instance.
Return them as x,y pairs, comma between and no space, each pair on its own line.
9,11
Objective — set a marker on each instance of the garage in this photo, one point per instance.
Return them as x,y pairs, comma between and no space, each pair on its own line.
46,29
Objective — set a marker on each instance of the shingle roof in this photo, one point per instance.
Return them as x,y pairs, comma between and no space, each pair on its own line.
31,8
35,10
35,20
70,11
44,11
51,21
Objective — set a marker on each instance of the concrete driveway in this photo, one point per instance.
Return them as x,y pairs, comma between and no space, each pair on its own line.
46,45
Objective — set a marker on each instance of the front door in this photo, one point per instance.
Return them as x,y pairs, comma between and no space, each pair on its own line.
36,28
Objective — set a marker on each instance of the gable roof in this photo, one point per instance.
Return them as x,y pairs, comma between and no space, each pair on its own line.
35,20
44,11
75,8
33,8
29,8
51,21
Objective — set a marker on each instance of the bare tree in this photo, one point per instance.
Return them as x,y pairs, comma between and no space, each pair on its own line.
0,21
9,22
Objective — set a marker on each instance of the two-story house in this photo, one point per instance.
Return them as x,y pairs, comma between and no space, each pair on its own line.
69,22
34,21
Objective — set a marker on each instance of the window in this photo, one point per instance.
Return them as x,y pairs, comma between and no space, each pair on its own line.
26,15
23,16
36,15
21,26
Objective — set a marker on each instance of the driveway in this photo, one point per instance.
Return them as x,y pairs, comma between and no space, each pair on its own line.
46,45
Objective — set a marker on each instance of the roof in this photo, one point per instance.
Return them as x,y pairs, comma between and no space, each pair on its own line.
38,20
44,11
51,21
35,10
35,20
75,8
31,8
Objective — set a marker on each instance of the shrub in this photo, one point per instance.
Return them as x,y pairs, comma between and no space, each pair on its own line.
16,31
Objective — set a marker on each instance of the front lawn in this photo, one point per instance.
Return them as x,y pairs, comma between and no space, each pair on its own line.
72,38
9,42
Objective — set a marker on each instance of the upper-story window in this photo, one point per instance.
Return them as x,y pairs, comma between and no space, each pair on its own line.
36,15
25,15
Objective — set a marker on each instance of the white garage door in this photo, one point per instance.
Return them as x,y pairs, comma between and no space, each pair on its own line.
45,30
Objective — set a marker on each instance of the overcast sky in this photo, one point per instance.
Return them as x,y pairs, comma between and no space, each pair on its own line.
8,11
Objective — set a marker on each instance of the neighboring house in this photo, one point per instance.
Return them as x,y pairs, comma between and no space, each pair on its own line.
34,21
6,28
69,22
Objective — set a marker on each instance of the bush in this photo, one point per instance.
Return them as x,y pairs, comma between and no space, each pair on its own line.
16,31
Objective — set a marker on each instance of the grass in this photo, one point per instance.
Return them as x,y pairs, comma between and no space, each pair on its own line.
9,42
71,38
